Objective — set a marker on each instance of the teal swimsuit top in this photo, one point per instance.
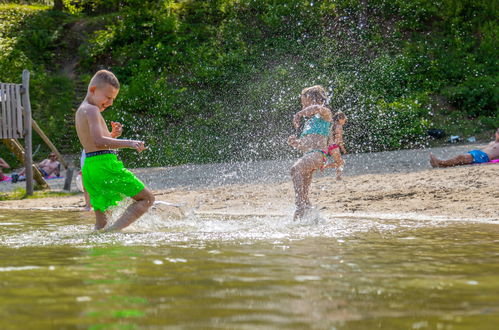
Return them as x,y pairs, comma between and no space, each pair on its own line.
316,125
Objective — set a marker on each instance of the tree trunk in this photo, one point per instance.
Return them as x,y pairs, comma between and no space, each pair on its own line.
58,5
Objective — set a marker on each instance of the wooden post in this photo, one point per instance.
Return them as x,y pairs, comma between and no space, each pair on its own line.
28,156
69,177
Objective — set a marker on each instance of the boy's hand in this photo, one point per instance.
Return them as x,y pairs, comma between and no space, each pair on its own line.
117,129
138,145
297,120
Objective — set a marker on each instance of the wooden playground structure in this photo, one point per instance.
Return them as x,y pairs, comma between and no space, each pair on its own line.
16,123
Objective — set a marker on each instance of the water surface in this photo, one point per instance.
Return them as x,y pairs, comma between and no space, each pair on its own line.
247,272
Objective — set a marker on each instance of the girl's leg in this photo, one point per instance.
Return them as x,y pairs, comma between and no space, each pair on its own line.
301,173
338,162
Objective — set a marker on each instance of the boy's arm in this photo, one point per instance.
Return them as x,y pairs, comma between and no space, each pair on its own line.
103,141
117,129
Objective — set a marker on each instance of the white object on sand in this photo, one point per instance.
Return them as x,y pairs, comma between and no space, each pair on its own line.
79,183
167,204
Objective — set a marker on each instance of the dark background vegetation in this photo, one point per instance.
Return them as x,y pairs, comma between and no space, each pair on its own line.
219,80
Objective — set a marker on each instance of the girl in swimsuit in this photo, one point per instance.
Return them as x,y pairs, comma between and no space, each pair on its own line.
321,140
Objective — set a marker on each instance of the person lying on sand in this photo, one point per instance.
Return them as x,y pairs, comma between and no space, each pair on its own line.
320,141
105,178
3,164
485,155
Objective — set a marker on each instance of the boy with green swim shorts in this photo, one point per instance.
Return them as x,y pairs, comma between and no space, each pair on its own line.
105,178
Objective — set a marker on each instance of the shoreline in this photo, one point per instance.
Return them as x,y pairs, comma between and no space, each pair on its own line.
468,193
414,190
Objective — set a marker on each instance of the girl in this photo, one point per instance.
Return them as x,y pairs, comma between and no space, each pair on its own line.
318,141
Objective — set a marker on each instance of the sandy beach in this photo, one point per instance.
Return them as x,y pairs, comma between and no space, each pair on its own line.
399,184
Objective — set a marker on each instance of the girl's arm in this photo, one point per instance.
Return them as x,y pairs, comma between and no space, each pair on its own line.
311,111
340,139
337,137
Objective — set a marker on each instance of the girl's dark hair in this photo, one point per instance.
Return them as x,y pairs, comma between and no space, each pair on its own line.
339,115
316,93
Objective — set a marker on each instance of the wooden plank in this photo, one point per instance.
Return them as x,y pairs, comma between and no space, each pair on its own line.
3,124
19,112
13,122
8,116
49,143
17,149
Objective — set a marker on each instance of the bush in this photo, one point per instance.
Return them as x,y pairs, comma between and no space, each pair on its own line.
476,96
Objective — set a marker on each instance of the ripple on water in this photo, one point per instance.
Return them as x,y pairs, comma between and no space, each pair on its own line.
159,227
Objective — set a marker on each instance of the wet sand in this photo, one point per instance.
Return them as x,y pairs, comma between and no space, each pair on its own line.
399,184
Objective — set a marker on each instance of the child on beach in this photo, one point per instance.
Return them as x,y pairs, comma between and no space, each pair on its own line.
321,140
116,131
485,155
106,179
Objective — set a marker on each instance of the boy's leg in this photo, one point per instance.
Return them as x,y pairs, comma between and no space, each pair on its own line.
143,201
455,161
100,220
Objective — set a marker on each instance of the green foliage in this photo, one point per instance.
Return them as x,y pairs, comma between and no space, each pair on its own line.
217,80
475,96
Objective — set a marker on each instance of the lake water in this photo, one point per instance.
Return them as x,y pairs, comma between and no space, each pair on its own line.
246,273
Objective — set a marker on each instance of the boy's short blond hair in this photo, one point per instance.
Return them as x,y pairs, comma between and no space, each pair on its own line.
104,77
316,93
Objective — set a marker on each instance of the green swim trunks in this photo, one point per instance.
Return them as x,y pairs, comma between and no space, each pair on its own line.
108,181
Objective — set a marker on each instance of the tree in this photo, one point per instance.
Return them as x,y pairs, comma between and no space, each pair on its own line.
58,5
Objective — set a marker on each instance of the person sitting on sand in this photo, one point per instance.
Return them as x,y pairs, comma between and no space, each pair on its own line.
318,141
106,179
47,167
485,155
50,166
3,164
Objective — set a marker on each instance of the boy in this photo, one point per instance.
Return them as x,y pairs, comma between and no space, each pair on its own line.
485,155
106,179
